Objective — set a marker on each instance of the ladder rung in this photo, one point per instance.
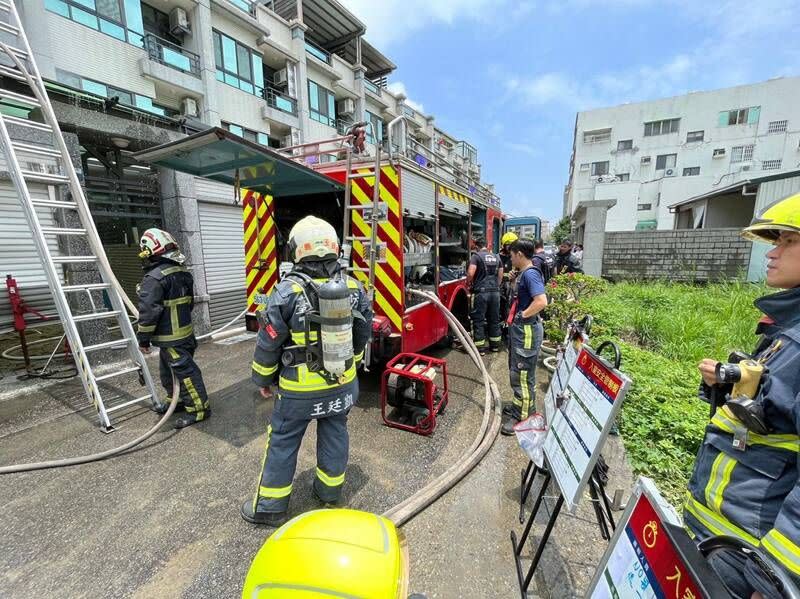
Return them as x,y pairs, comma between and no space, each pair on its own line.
76,288
9,28
44,177
73,259
117,373
34,149
54,204
61,231
95,316
357,269
12,72
360,206
23,99
5,6
128,403
26,123
108,344
356,238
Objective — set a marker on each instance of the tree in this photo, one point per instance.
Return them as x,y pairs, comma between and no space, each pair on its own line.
562,230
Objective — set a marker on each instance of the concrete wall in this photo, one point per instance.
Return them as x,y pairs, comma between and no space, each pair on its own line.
697,111
691,255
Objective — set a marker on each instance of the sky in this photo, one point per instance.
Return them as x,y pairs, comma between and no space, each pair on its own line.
509,75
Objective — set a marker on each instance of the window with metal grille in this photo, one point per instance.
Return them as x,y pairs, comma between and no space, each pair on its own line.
691,171
596,136
742,153
777,126
665,161
661,127
771,165
623,177
695,136
624,145
599,168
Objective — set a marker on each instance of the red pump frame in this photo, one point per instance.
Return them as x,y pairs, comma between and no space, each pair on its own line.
402,365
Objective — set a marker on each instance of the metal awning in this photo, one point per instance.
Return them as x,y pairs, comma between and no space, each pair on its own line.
375,63
219,154
734,187
330,25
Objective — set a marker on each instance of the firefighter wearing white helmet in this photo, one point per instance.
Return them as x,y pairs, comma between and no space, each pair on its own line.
166,299
312,334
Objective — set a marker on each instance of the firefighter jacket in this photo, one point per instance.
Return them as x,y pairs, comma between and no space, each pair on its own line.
754,494
283,326
488,267
566,263
166,299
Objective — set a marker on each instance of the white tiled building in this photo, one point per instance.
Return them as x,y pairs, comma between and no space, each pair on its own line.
649,156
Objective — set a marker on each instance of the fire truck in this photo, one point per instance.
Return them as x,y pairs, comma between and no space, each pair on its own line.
409,227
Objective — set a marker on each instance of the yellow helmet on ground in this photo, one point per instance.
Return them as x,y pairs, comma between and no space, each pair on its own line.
783,215
330,553
508,238
313,239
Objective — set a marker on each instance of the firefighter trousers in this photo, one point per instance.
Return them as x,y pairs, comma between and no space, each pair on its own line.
288,424
180,360
486,309
524,342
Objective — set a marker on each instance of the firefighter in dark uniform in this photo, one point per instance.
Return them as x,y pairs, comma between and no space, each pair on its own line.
292,347
166,299
565,260
524,334
745,481
484,276
507,284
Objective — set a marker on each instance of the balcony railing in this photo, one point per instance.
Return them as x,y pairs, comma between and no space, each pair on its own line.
171,55
279,100
247,6
409,111
318,53
371,87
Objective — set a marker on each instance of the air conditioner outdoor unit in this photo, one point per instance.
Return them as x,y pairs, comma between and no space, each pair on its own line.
281,78
189,107
718,153
670,172
179,22
646,159
346,106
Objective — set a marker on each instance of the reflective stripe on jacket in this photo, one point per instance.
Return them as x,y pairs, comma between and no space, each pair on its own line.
755,494
166,299
283,325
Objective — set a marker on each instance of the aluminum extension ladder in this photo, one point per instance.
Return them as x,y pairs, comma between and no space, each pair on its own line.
377,211
17,65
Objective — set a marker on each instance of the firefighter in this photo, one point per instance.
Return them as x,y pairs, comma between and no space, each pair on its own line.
289,349
565,260
166,299
524,334
745,482
505,253
484,275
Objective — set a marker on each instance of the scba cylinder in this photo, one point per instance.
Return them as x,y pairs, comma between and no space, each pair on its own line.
336,315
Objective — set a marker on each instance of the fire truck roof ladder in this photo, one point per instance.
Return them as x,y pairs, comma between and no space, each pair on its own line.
17,63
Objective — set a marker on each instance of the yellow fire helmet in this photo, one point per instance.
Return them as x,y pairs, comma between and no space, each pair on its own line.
313,239
331,553
508,238
783,215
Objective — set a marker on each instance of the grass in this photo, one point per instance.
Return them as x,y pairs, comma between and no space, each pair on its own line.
664,330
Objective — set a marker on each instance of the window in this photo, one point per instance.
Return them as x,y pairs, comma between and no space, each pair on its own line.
250,135
718,153
599,168
771,165
624,145
777,126
742,153
661,127
585,166
376,131
121,19
695,136
691,171
665,161
237,65
322,104
622,177
596,136
644,207
125,98
646,160
739,116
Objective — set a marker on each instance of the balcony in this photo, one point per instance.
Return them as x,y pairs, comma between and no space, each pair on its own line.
247,6
279,100
319,53
372,88
171,55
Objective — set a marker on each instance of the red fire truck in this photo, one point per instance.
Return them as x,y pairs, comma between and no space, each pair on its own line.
427,216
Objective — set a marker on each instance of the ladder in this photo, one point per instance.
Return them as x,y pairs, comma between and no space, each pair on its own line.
19,72
377,212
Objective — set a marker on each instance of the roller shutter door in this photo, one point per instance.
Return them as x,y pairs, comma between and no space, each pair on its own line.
223,255
419,194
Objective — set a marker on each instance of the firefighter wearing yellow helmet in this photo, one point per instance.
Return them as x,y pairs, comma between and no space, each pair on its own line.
312,334
745,481
166,299
331,553
506,286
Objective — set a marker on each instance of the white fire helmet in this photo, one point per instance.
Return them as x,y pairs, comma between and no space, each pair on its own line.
155,242
313,239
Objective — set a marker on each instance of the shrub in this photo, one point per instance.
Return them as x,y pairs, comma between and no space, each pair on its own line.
566,293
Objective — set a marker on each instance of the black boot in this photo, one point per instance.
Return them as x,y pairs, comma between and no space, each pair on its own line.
325,504
193,418
273,519
507,427
163,407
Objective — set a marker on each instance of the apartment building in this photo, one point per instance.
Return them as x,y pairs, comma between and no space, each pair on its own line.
649,158
125,75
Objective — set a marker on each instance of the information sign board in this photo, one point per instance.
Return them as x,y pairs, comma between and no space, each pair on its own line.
566,356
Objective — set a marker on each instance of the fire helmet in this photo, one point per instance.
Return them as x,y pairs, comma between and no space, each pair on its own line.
783,215
508,238
313,239
155,242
